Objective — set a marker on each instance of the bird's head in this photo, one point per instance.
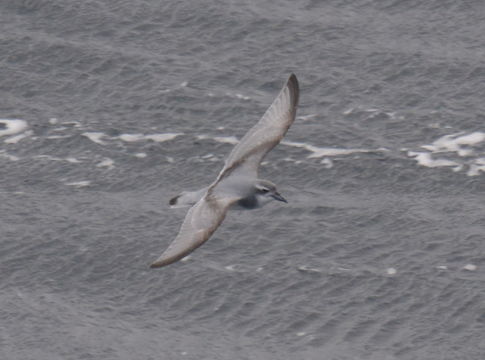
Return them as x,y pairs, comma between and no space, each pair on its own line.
266,191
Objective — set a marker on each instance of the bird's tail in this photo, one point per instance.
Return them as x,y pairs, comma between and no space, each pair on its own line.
187,198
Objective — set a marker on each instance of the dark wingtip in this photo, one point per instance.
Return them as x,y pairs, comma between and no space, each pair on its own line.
160,263
173,201
164,261
294,88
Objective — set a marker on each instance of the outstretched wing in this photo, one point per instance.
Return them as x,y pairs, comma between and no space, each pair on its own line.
201,221
206,215
265,135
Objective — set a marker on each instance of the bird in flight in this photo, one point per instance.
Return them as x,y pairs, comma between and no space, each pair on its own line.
237,185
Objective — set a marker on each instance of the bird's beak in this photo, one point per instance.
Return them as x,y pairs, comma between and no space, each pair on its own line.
278,197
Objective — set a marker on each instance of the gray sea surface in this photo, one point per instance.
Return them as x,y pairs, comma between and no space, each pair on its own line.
109,108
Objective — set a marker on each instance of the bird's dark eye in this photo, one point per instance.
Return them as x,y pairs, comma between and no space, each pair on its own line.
264,190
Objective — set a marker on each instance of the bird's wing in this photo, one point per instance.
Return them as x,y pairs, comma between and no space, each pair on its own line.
265,135
201,221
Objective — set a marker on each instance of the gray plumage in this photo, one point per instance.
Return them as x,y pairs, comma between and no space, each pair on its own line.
237,186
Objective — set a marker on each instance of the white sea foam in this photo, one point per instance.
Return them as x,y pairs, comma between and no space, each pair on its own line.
305,268
425,159
476,167
227,139
8,156
238,96
153,137
456,143
16,138
54,158
162,137
306,117
241,96
222,139
470,267
456,151
75,124
289,159
95,137
131,137
60,128
318,152
53,137
391,271
360,109
12,126
79,184
372,112
327,163
106,162
98,137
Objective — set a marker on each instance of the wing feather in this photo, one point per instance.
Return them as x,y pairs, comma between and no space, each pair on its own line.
265,134
199,224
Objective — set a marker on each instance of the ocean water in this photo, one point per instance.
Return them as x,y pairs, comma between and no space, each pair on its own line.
109,108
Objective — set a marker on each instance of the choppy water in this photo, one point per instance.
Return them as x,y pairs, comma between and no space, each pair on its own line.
107,109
